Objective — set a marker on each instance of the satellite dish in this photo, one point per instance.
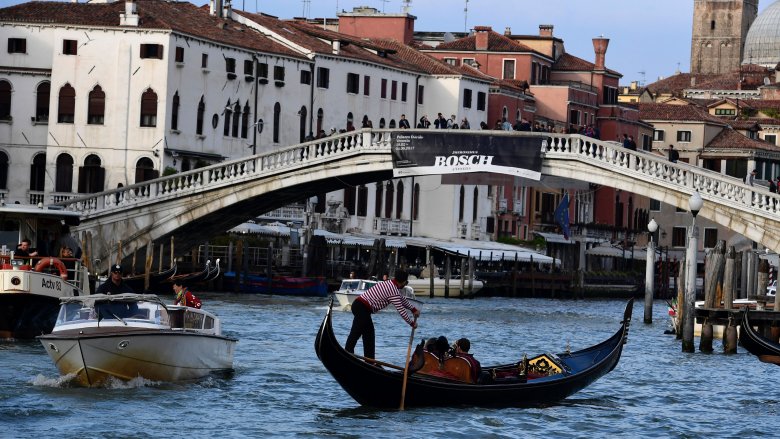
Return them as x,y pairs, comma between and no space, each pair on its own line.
767,81
448,37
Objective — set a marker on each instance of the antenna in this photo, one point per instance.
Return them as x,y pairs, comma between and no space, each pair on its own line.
642,82
466,16
384,2
306,8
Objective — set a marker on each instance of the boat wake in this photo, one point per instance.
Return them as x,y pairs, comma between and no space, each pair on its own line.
70,380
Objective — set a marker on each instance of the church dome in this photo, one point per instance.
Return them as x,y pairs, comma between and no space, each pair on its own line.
762,43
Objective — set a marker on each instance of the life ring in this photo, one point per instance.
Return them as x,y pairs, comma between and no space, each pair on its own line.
47,262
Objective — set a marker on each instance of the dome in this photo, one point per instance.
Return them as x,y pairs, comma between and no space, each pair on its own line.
762,43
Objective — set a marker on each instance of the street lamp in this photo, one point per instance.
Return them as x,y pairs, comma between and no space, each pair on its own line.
695,204
652,227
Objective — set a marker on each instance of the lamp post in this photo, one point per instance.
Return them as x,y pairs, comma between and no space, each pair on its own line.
652,226
694,203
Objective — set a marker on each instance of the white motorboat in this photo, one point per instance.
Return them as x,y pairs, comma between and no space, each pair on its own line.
31,287
423,287
350,289
136,335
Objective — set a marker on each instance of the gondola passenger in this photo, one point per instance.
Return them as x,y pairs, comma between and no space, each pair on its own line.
462,347
374,300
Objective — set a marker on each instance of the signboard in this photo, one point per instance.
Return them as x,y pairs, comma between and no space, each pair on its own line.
437,152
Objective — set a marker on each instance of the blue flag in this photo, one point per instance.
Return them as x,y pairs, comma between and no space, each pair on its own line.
562,215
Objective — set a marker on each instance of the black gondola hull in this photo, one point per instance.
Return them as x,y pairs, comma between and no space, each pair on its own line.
377,387
766,350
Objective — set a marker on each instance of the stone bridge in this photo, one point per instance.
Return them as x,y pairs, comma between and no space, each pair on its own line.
200,203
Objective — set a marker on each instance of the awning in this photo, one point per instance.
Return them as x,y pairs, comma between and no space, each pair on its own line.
639,253
279,229
555,238
482,250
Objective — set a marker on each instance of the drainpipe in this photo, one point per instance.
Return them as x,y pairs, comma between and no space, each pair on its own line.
257,113
416,99
311,102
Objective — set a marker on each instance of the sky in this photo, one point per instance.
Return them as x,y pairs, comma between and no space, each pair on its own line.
649,39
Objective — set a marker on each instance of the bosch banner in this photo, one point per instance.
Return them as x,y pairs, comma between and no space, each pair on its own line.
436,153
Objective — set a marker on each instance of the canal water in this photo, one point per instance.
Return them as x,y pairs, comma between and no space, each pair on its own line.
280,389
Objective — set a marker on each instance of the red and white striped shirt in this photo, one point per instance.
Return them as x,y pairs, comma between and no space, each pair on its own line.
384,293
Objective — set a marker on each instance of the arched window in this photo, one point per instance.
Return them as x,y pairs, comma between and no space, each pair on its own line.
3,170
42,102
392,123
67,104
5,100
277,121
382,122
362,201
245,121
461,201
389,192
91,175
185,165
148,108
349,199
475,204
236,118
201,113
378,200
96,108
175,112
38,173
302,123
320,117
416,202
64,178
399,200
228,113
144,170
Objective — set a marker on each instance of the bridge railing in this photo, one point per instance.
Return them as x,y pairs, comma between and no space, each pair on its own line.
233,171
652,167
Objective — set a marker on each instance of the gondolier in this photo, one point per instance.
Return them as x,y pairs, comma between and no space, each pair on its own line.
374,300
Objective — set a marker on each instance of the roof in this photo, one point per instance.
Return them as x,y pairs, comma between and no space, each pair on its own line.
747,77
496,43
728,138
570,63
684,113
179,17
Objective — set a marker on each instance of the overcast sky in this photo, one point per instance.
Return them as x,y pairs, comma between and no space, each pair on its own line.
648,38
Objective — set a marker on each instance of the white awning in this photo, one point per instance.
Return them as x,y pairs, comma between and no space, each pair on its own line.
555,238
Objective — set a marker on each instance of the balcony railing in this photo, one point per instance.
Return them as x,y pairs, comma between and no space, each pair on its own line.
389,226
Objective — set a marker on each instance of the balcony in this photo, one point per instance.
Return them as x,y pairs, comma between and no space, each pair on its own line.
286,213
389,226
518,208
502,205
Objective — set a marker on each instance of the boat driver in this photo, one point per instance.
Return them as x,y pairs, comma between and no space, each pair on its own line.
114,284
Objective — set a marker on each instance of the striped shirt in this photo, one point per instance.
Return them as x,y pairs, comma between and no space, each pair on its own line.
384,293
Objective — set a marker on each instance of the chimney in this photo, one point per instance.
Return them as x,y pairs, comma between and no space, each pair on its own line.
482,33
215,8
600,47
226,9
130,17
507,31
336,46
633,85
545,30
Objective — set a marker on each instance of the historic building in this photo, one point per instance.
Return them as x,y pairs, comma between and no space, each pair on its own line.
720,28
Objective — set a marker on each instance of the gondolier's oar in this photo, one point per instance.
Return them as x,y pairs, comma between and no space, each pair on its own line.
406,367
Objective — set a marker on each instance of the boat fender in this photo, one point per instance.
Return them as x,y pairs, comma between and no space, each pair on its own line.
49,262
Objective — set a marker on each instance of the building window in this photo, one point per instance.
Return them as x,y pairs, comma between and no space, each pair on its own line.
466,98
394,90
4,162
245,121
91,175
481,98
149,108
306,77
655,205
678,237
63,181
399,200
574,117
144,170
228,117
277,121
323,77
179,54
658,135
378,200
451,61
416,202
353,83
647,143
204,61
70,47
683,136
467,61
96,108
461,203
366,85
5,100
383,89
771,138
725,112
236,119
38,173
710,237
67,104
42,102
610,95
262,71
389,197
230,67
17,45
404,89
509,69
154,51
279,73
248,67
362,201
199,120
420,94
175,112
474,204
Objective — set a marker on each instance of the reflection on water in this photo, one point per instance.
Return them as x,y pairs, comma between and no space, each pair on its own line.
279,388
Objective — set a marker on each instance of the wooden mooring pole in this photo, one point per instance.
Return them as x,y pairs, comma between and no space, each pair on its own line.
713,274
730,335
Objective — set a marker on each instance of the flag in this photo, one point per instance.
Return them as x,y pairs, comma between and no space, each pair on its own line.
562,215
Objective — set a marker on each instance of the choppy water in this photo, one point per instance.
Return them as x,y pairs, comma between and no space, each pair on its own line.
279,388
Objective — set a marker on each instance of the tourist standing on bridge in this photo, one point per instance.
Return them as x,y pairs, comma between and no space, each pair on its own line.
750,178
673,154
403,123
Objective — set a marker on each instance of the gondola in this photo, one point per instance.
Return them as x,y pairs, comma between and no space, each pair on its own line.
380,387
198,276
136,281
765,349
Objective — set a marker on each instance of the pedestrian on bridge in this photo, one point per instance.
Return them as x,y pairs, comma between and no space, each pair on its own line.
673,154
750,178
